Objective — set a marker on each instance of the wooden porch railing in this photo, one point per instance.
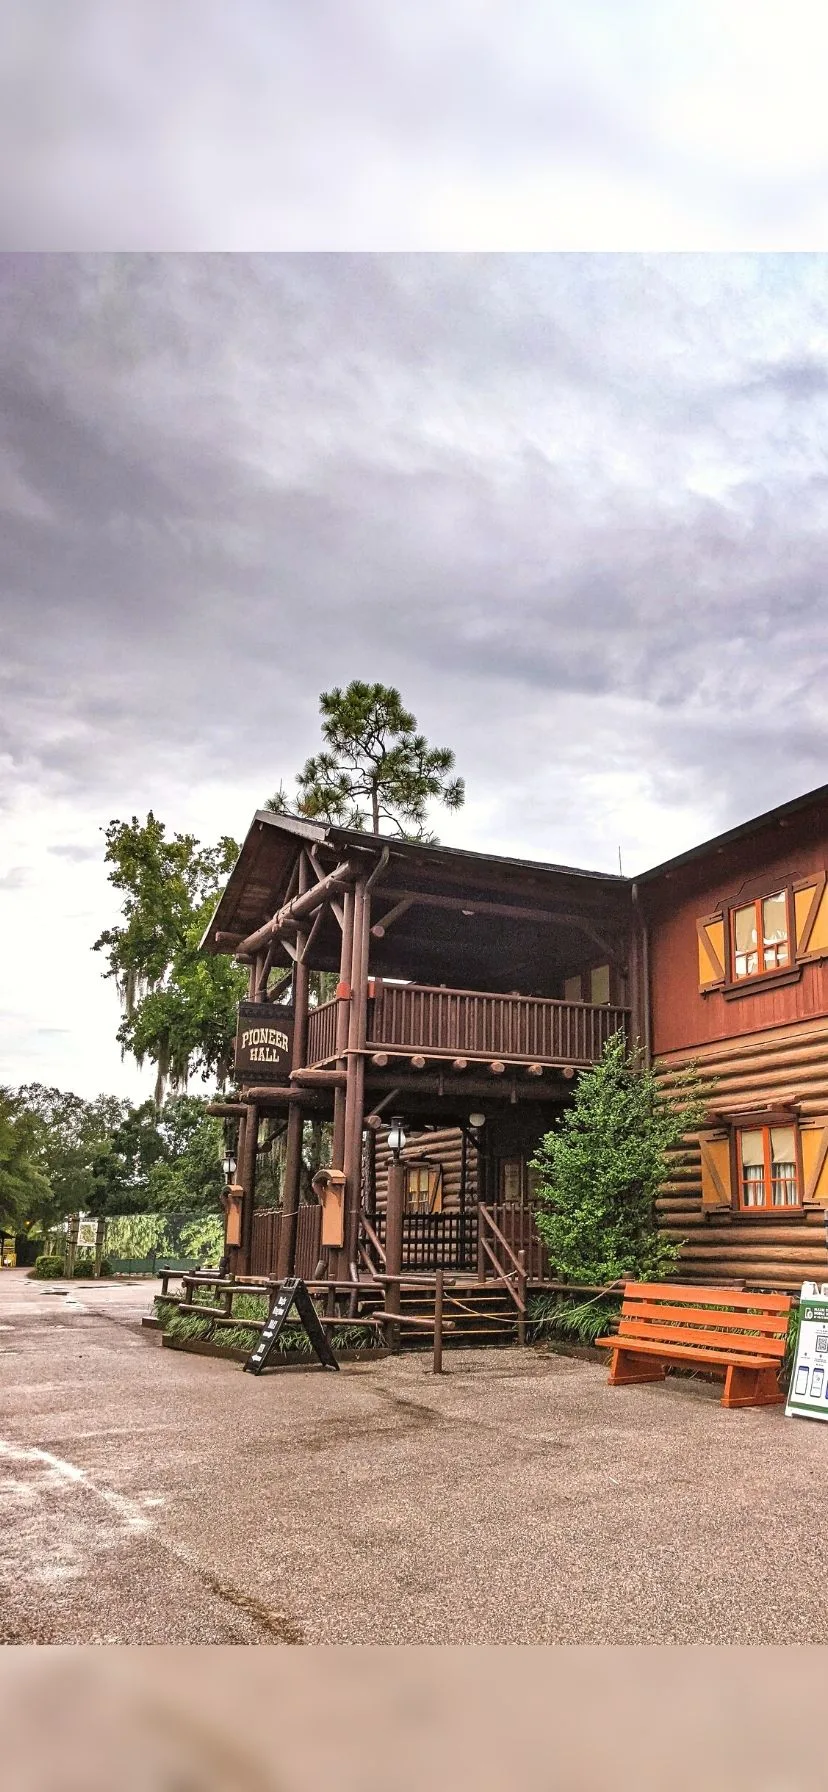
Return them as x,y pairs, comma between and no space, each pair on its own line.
473,1024
321,1033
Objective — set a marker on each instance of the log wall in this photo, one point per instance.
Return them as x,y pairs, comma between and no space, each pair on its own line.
443,1147
781,1065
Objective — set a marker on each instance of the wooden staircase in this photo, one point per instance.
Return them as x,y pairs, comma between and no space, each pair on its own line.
472,1316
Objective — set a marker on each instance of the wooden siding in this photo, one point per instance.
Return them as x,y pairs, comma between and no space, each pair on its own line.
674,902
779,1251
482,1025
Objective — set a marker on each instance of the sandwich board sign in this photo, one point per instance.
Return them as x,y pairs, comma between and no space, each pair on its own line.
292,1293
808,1391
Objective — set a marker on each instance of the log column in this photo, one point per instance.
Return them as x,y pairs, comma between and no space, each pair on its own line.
355,1084
239,1255
295,1123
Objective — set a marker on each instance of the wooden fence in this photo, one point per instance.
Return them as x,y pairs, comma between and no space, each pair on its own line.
267,1224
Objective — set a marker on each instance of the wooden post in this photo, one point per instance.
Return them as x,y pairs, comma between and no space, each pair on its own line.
464,1156
355,1085
438,1322
342,1016
291,1180
394,1243
100,1234
246,1178
521,1324
71,1246
371,1175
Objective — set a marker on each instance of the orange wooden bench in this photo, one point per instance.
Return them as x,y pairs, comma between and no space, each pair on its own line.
715,1328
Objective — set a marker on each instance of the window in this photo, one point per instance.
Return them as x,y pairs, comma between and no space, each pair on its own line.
767,1169
599,984
572,989
517,1182
423,1187
759,937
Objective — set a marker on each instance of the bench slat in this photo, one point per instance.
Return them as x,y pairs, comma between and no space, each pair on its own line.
706,1337
774,1324
704,1296
692,1354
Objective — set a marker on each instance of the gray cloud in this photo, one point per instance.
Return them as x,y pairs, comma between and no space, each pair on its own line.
574,506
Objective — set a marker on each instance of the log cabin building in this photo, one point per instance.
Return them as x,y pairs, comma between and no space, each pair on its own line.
469,991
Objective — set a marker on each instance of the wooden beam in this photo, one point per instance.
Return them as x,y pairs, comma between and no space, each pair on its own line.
418,1061
534,1070
300,906
392,915
380,1059
497,1067
507,910
459,1063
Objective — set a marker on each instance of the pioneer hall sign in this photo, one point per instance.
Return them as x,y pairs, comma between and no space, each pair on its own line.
264,1043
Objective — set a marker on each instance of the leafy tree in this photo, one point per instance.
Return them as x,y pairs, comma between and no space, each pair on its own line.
72,1132
25,1190
179,1005
375,769
168,1161
601,1171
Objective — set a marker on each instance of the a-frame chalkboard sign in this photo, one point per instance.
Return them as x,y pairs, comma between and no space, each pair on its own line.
292,1293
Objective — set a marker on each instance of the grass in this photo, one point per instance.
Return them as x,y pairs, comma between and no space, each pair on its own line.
293,1341
580,1322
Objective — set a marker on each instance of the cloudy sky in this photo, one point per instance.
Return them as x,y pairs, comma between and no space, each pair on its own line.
452,124
574,506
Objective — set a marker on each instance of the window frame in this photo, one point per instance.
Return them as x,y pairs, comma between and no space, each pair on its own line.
757,904
435,1169
733,987
765,1123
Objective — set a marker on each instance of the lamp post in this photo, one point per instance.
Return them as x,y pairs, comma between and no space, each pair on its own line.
394,1227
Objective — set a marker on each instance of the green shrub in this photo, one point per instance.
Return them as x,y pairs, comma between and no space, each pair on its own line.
601,1170
46,1268
85,1267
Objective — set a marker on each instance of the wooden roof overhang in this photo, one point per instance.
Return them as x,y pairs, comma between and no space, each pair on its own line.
439,914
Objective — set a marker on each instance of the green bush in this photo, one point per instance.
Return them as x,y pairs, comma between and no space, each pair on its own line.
46,1268
85,1267
601,1170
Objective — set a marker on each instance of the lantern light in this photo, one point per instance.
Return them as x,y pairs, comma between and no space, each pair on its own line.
396,1137
477,1120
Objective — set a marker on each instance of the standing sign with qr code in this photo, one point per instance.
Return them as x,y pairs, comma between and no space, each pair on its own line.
808,1391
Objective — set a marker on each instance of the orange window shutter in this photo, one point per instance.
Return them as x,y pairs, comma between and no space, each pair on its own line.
811,917
435,1189
711,934
815,1163
716,1180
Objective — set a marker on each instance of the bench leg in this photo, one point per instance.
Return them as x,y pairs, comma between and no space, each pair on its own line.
751,1387
626,1368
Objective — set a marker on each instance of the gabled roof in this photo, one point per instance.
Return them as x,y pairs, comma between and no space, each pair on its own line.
812,799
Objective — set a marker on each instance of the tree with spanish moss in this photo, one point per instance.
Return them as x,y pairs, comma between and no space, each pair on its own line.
179,1005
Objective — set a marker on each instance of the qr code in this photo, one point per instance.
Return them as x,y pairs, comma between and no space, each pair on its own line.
822,1341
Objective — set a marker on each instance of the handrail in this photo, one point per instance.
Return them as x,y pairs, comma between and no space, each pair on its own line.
372,1237
494,1227
517,1288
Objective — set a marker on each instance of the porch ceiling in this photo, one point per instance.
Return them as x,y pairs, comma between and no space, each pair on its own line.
435,941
